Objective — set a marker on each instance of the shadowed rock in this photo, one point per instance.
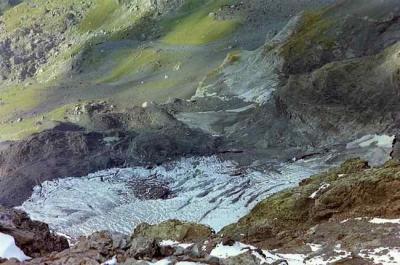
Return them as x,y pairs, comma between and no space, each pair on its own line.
32,237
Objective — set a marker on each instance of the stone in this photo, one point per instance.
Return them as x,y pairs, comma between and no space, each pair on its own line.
174,230
34,238
142,248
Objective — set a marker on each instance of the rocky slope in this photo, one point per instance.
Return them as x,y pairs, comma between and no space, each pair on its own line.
328,76
77,85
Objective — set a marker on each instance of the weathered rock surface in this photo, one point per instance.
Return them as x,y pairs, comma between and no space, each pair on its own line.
174,230
32,237
328,77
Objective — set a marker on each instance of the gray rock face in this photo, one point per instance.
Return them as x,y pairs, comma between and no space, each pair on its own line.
331,76
142,248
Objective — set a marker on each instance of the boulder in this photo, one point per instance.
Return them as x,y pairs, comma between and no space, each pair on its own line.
174,230
142,248
34,238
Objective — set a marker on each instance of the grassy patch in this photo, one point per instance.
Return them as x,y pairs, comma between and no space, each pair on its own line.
157,91
197,26
132,62
21,15
97,16
17,99
19,130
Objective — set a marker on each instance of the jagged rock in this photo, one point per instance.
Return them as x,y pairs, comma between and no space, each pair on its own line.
94,249
32,237
142,248
174,230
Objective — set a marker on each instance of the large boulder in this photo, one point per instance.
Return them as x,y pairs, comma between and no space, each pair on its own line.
34,238
174,230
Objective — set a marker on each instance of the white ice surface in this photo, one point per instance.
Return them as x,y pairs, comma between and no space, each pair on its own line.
9,250
320,190
205,192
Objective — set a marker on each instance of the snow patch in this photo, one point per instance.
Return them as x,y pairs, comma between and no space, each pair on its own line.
223,252
384,141
382,255
268,257
175,244
320,190
9,250
378,148
315,247
384,221
112,261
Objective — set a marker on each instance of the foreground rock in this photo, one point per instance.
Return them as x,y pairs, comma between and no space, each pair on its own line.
32,237
174,230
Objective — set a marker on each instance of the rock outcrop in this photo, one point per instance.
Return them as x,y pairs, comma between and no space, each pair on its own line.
32,237
174,230
139,136
353,190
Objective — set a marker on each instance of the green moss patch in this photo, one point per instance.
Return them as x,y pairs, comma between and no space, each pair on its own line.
97,16
198,26
18,130
131,62
16,99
